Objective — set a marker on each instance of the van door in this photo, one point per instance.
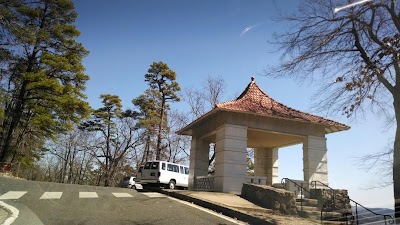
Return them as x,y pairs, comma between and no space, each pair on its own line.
163,178
181,176
139,174
186,177
173,173
146,171
154,173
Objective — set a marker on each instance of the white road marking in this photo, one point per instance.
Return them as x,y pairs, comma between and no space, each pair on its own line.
154,195
51,195
12,212
88,195
122,195
13,195
210,212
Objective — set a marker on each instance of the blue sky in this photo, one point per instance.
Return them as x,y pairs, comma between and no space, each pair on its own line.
201,38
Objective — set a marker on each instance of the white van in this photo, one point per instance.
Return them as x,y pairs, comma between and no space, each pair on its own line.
165,173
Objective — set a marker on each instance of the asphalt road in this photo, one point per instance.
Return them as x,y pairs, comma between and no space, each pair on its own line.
52,203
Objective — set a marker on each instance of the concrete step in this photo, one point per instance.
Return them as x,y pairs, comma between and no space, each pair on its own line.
327,216
334,222
306,208
307,201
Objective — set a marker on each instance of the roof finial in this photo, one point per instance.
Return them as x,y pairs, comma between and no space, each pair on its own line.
252,79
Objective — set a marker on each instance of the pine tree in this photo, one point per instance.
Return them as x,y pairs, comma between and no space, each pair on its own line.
163,86
42,76
148,107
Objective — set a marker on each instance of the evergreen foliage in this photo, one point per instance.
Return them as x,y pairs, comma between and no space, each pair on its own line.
163,88
42,76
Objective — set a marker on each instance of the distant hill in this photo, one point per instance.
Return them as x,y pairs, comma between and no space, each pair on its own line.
366,217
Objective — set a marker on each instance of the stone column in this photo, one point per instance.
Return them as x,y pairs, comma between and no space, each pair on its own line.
199,151
230,158
315,163
266,164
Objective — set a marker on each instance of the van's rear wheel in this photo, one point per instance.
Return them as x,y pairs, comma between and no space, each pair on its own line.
172,184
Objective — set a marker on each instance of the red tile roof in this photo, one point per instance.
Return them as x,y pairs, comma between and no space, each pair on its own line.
255,100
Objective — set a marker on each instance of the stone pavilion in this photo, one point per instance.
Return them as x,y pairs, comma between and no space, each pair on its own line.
255,120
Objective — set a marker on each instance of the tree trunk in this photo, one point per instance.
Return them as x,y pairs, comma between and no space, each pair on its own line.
15,114
145,157
396,161
81,169
159,136
113,169
71,167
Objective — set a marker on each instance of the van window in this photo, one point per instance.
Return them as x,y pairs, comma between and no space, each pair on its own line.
173,168
154,165
186,170
169,167
181,167
163,166
147,165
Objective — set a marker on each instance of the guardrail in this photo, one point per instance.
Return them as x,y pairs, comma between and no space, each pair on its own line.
387,218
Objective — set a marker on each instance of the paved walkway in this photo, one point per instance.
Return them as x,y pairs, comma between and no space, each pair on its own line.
235,206
225,199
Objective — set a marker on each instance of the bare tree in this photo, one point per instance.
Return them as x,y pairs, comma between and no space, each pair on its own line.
125,139
380,163
194,98
214,88
116,133
211,93
355,54
72,155
176,145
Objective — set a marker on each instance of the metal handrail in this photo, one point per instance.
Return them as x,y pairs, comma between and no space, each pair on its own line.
348,216
314,185
283,182
387,218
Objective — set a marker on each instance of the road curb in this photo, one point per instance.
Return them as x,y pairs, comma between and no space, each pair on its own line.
218,208
12,213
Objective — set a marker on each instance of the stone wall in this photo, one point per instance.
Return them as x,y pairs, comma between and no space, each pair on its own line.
340,202
270,198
